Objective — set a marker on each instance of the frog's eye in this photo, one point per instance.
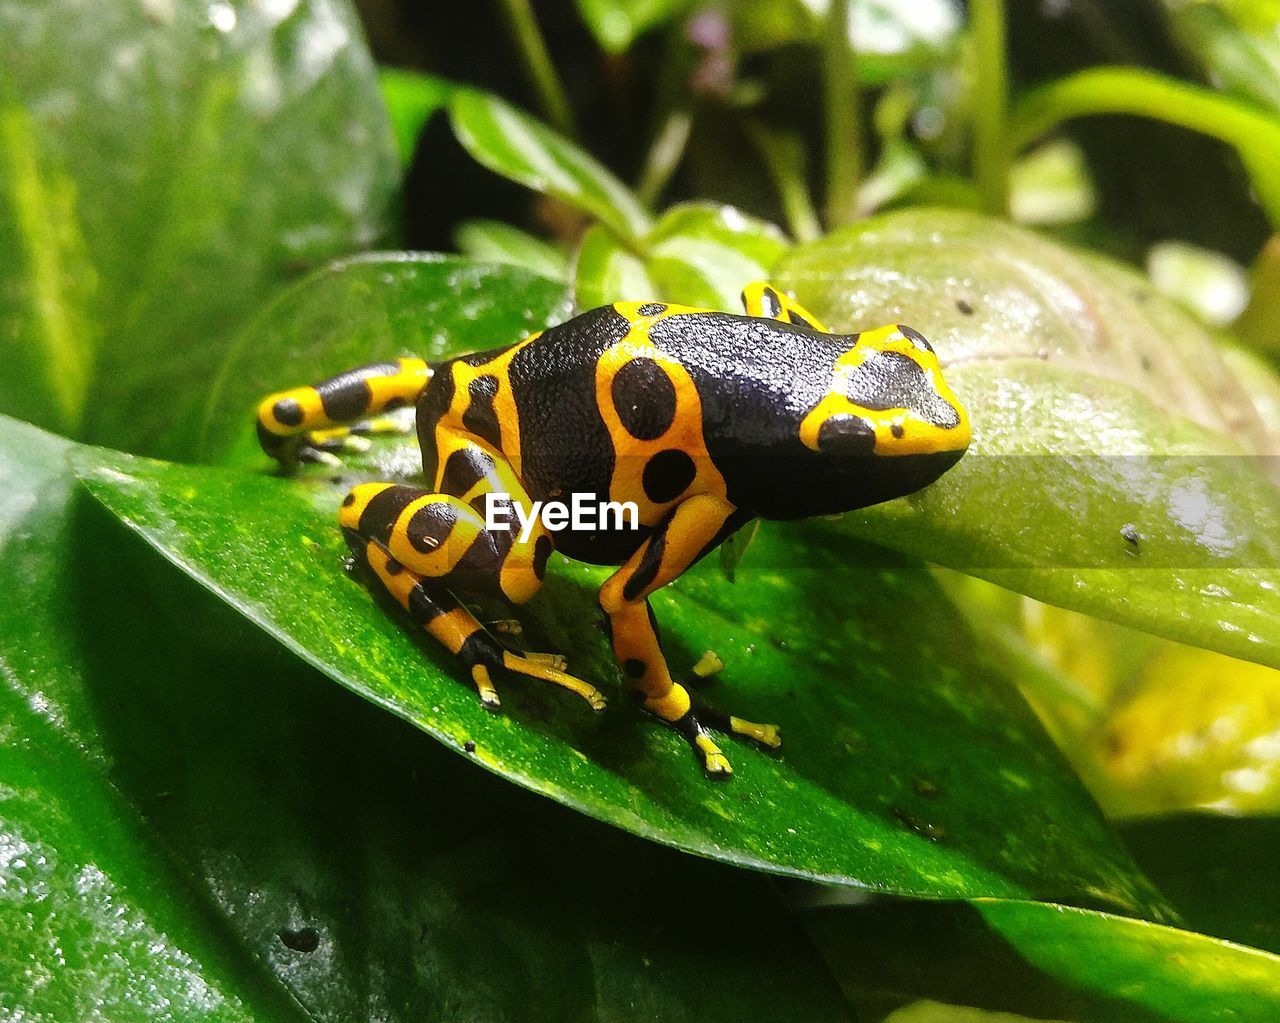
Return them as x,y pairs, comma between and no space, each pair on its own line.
844,434
915,337
891,380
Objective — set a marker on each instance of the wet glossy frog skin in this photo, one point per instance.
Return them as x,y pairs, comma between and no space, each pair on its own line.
702,420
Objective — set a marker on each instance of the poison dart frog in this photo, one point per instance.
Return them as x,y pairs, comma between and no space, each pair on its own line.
702,419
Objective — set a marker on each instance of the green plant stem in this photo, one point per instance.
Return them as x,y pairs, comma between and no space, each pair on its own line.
664,155
1117,90
844,126
990,105
538,65
783,156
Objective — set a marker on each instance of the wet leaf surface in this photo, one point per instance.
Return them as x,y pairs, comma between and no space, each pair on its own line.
910,766
1119,464
163,169
1038,960
196,825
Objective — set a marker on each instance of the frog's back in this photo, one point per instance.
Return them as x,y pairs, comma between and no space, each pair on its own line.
616,381
637,401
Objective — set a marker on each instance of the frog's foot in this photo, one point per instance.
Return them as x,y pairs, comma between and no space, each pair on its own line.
695,720
557,661
549,668
327,444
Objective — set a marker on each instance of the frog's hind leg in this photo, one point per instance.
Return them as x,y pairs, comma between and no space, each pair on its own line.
694,527
311,423
421,545
761,299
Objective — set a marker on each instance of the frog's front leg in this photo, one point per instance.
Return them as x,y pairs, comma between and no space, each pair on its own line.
310,423
761,299
695,526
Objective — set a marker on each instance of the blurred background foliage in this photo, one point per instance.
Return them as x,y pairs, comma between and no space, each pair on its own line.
1077,200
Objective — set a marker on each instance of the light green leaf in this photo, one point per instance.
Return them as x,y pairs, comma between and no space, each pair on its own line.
494,242
411,99
617,23
1209,284
48,335
1088,484
699,254
607,271
1235,43
163,168
511,143
704,255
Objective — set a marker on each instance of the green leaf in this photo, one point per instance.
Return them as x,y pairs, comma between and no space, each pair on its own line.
1221,872
312,837
1040,960
893,38
164,167
910,765
494,242
47,284
607,271
1235,44
1209,284
704,255
360,310
1081,382
1253,131
411,99
699,254
95,920
511,143
617,23
1051,185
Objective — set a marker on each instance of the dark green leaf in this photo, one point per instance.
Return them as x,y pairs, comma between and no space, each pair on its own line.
1082,384
164,167
411,99
910,766
511,143
494,242
361,310
1040,960
373,873
96,923
1221,872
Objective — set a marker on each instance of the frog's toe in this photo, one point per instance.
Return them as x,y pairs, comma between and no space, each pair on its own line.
765,734
557,661
715,763
523,664
484,686
308,455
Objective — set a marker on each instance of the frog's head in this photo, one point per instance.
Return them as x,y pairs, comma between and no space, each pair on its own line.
888,423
